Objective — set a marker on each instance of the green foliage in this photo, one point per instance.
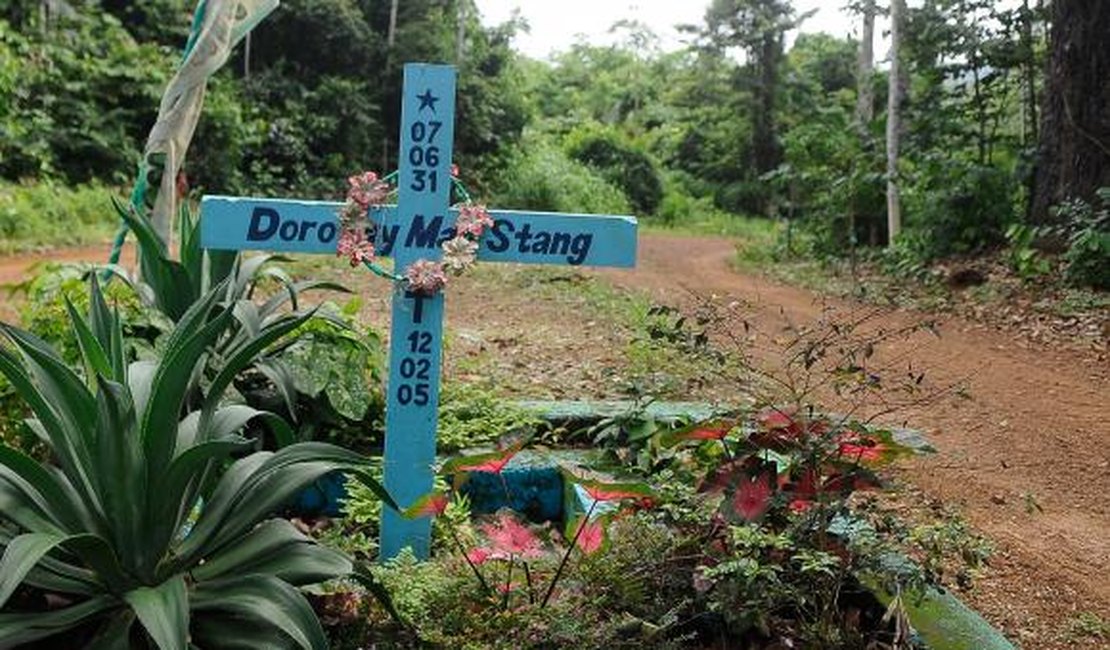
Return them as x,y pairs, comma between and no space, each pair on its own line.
1024,258
317,98
84,96
832,183
471,415
620,164
336,370
541,177
1088,253
138,445
959,207
46,313
48,214
1088,625
950,537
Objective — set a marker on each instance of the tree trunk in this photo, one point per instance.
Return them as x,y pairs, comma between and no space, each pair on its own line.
1074,154
865,92
1029,67
460,37
392,23
765,148
389,39
894,122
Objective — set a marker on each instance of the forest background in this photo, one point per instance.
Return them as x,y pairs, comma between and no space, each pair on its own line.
1001,128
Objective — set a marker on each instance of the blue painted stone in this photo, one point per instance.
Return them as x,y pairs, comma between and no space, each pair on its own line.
529,484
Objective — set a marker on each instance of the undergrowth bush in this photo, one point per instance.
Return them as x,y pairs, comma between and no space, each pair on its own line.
957,207
541,177
620,163
53,214
471,415
1088,253
336,367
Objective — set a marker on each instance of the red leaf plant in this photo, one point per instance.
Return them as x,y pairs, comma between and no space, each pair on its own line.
869,448
493,462
508,540
782,429
748,486
806,486
605,492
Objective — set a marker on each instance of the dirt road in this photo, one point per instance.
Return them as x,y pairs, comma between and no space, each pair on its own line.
1035,433
14,269
1027,456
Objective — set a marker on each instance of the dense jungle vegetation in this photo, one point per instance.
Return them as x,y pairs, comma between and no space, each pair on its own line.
993,151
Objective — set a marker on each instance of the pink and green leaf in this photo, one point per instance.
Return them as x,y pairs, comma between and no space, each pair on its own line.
588,535
708,430
508,537
749,488
492,462
600,491
870,448
429,505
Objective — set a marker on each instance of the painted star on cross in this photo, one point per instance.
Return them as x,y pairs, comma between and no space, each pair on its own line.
427,100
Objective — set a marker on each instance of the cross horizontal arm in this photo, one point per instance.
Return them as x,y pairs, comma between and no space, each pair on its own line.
232,223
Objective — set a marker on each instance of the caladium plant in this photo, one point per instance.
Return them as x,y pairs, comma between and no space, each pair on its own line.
108,532
788,457
510,542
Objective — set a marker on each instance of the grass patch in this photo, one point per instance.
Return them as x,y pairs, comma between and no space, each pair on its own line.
666,356
49,215
1087,625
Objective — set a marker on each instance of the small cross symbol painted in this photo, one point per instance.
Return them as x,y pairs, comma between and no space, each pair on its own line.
427,100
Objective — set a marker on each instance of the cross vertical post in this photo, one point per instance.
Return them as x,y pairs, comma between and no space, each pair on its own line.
416,329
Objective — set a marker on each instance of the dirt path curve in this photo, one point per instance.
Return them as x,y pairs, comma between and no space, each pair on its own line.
1037,428
14,269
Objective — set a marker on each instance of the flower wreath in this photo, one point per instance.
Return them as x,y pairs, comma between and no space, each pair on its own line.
423,277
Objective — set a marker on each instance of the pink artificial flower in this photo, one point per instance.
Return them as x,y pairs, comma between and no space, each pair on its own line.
459,254
425,277
509,538
353,245
367,189
351,214
473,220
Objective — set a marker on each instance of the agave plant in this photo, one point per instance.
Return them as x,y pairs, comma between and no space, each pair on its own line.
172,286
155,528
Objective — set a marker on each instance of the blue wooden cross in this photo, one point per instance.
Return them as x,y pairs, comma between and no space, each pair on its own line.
413,229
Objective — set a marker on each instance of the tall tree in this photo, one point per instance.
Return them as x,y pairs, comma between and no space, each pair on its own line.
865,96
893,120
1074,155
758,27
